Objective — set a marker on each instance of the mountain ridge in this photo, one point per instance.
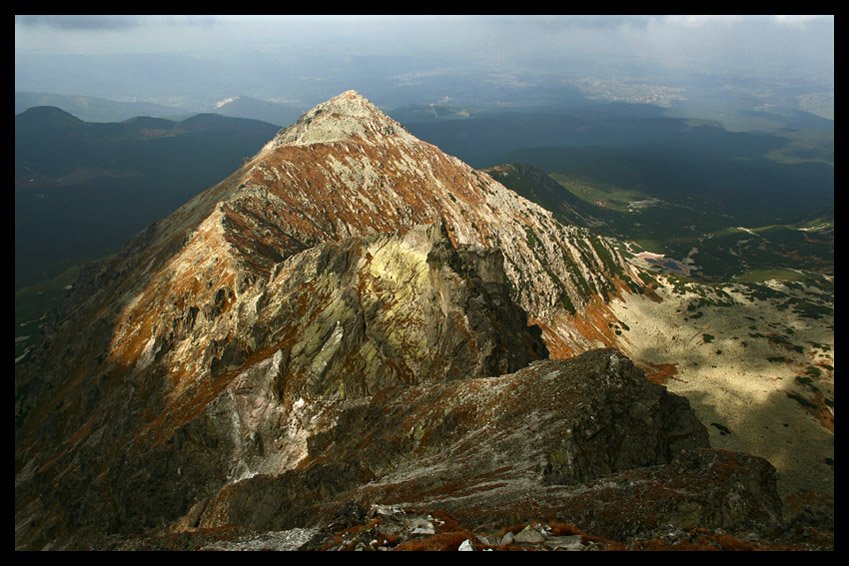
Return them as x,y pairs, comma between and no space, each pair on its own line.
271,320
394,199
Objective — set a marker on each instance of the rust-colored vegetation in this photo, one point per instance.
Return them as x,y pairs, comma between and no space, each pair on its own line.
440,541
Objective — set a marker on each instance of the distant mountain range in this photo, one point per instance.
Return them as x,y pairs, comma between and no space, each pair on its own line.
759,179
82,189
90,109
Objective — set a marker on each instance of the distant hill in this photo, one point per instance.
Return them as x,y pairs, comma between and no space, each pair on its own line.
92,109
82,188
727,180
429,113
253,108
537,186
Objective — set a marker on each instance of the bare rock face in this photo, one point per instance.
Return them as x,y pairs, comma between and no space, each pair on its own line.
510,448
365,315
333,325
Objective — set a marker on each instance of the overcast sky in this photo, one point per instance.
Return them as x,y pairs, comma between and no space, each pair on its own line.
470,36
775,45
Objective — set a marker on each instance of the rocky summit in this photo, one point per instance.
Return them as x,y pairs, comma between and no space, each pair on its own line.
353,322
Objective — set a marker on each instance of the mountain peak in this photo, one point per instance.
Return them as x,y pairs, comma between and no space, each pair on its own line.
348,115
351,316
350,99
350,103
48,115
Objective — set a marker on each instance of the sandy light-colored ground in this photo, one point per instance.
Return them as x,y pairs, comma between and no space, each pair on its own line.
720,360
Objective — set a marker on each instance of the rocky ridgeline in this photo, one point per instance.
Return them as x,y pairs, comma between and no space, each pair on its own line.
355,318
587,441
625,466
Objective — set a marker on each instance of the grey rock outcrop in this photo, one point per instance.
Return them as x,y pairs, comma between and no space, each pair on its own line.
508,448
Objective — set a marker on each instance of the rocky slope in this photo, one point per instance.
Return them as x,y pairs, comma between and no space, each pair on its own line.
351,317
488,450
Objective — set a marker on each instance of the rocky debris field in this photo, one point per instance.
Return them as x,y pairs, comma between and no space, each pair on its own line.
392,528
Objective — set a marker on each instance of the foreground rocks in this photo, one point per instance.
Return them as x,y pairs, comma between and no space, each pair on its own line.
587,441
393,528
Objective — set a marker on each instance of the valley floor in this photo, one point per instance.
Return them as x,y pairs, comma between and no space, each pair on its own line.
756,365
